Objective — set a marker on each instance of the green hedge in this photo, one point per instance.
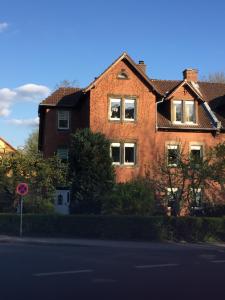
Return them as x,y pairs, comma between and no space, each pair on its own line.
116,227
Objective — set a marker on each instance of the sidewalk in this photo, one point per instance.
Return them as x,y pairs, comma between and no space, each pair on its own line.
106,243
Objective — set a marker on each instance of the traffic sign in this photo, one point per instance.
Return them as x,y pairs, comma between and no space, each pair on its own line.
22,189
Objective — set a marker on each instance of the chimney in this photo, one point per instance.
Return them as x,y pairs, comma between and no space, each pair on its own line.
141,66
190,74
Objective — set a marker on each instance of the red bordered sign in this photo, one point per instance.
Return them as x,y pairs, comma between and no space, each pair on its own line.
22,189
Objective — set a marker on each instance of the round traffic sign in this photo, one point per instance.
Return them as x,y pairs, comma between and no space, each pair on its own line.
22,189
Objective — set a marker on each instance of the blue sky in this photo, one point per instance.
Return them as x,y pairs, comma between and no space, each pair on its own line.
46,41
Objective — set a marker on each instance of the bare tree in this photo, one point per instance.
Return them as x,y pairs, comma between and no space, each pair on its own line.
217,77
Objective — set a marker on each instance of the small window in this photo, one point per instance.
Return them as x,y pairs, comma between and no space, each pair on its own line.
62,153
63,119
177,111
129,109
171,196
196,197
189,112
172,155
196,153
122,75
115,109
60,200
129,153
115,153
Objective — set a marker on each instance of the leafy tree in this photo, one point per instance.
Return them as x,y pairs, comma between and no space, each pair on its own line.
31,145
131,198
90,170
41,175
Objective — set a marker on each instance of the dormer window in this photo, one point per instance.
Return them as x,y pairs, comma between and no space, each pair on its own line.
183,112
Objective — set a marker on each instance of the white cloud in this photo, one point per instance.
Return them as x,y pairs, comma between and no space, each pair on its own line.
28,92
3,26
24,122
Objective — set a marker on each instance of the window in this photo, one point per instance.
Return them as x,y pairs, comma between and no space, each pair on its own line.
122,75
60,200
63,119
172,194
183,112
123,153
196,197
172,155
122,109
63,153
129,153
115,153
177,110
129,109
115,109
189,112
196,153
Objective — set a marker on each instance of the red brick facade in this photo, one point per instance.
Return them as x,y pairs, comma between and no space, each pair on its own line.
152,128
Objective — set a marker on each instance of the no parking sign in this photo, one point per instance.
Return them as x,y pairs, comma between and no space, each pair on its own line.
22,189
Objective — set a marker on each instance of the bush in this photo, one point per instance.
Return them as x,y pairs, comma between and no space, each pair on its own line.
158,228
131,198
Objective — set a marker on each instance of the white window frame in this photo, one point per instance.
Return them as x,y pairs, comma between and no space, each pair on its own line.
188,102
170,191
133,101
174,111
197,147
199,190
129,145
116,100
66,117
171,147
118,145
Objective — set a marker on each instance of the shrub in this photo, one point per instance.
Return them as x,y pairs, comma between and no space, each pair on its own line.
131,198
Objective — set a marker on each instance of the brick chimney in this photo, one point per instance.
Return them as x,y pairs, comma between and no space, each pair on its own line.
142,66
190,74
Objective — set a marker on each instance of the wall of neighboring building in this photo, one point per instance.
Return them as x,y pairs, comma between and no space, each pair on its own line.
141,131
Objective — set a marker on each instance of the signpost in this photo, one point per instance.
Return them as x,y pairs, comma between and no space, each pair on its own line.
22,190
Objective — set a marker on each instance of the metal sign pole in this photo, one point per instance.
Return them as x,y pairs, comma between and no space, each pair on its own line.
21,216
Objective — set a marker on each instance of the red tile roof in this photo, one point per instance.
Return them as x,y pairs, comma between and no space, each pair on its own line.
64,96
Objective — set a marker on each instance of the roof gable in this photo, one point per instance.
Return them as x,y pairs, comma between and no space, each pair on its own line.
126,57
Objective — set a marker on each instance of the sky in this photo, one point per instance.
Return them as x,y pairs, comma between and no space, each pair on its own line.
45,42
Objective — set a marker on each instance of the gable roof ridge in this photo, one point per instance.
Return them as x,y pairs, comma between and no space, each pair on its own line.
132,62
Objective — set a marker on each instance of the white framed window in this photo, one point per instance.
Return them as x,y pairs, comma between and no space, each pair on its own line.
129,153
196,197
171,196
129,109
173,154
63,153
63,119
115,109
177,111
115,153
196,152
183,112
189,109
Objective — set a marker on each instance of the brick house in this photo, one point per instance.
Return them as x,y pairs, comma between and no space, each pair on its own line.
142,117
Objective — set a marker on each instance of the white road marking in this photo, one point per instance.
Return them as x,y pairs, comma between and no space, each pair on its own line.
156,266
103,280
63,273
218,261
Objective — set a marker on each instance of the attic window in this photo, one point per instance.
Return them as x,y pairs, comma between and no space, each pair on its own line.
122,75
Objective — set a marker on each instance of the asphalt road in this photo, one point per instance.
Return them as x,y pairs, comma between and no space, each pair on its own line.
99,272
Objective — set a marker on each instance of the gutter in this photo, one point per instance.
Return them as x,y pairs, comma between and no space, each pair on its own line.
156,111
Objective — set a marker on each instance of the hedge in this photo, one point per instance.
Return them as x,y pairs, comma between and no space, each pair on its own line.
156,228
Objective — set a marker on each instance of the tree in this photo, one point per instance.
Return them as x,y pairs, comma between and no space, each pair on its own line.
178,184
67,84
90,170
31,145
217,77
42,176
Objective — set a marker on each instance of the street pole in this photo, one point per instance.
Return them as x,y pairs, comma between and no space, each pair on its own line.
21,216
